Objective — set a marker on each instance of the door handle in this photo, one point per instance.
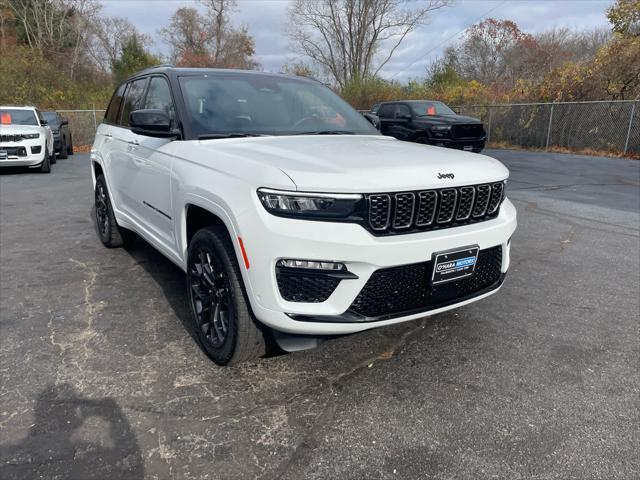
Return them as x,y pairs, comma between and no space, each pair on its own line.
133,142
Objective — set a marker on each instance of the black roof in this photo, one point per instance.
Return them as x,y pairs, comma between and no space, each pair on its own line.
173,71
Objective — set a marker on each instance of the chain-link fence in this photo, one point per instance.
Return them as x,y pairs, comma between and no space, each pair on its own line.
83,124
606,126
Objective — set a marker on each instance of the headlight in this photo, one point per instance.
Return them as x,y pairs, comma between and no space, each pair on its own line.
310,205
441,128
30,136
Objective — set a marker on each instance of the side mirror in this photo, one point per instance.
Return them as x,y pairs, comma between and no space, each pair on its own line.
64,122
44,123
372,119
151,123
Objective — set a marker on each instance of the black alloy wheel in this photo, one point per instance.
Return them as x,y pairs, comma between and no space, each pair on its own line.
222,319
102,211
111,234
210,295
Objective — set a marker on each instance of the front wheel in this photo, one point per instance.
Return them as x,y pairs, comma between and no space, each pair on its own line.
63,148
70,146
46,164
223,323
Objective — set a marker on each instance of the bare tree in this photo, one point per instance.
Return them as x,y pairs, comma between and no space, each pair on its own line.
108,37
353,39
58,28
209,40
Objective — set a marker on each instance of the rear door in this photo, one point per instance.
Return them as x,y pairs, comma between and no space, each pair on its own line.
104,144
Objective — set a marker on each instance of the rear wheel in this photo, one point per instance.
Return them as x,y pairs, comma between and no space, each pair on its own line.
70,146
110,233
52,157
422,140
224,325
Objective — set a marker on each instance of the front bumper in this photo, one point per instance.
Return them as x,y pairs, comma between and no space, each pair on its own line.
31,158
268,238
475,144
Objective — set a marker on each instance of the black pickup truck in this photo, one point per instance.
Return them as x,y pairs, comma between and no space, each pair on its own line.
430,122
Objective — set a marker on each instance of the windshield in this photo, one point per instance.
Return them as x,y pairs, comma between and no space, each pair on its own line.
431,108
12,116
257,104
51,118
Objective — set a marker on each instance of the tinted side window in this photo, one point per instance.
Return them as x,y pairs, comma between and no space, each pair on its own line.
159,97
403,111
111,115
132,100
386,111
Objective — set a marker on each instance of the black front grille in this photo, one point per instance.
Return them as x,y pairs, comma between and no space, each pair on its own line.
401,290
11,138
392,213
15,151
474,130
300,286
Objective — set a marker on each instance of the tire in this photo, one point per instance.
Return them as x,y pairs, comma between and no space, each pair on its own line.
46,164
70,146
110,233
422,140
52,157
63,148
215,287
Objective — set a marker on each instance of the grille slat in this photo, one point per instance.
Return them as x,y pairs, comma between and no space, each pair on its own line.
403,213
379,211
428,201
396,290
496,197
467,195
393,213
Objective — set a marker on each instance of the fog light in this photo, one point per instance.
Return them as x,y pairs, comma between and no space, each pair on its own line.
312,265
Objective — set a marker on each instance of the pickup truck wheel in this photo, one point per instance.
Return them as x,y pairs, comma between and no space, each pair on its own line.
110,233
224,325
63,148
46,164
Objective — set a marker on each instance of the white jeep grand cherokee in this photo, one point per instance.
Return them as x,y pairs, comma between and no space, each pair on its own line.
293,218
25,139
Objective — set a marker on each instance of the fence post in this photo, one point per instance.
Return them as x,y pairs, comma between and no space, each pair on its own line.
549,128
626,142
95,120
489,126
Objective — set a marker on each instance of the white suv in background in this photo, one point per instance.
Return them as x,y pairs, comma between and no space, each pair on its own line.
25,139
292,225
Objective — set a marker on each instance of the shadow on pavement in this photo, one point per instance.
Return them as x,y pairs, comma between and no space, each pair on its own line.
74,438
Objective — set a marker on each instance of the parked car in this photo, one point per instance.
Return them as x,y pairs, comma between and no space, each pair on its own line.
431,122
62,139
25,139
290,227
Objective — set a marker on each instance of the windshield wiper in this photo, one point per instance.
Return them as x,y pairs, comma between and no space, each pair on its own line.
213,136
326,132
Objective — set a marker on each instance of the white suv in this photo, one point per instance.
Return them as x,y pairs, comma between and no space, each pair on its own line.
25,139
293,225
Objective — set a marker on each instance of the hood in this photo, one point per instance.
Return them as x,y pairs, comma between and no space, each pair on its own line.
447,119
15,129
361,163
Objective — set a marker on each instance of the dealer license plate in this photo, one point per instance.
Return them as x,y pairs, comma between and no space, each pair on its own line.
454,264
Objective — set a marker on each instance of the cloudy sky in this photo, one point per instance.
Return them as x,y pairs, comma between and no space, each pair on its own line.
267,19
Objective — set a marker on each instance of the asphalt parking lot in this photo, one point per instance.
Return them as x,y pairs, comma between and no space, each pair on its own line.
101,378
